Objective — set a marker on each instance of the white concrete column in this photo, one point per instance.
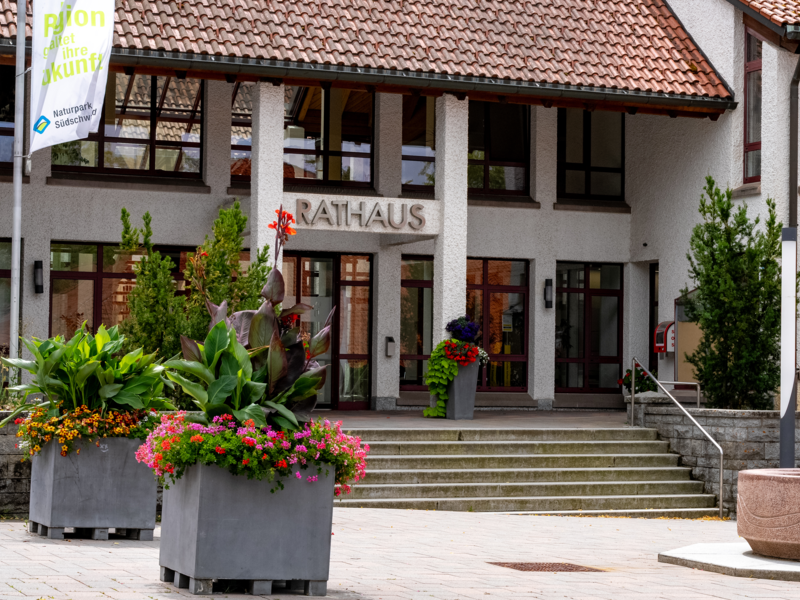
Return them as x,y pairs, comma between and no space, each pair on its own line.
544,138
217,131
636,315
386,287
450,248
542,340
388,144
266,182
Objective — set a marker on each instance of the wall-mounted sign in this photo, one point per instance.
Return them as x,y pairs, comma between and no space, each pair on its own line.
395,215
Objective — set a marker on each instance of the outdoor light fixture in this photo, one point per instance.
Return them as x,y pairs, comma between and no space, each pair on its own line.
548,293
38,277
390,345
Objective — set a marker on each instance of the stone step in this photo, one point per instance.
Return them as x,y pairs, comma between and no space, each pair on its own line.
540,461
548,504
496,435
442,476
650,513
526,489
517,448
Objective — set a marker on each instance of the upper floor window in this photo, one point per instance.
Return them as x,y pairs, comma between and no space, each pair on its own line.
151,125
419,142
241,130
752,99
327,136
498,148
591,155
7,91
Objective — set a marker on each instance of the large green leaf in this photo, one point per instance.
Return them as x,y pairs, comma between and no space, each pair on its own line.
253,391
221,389
20,363
85,372
109,390
253,411
262,326
195,390
216,342
191,350
243,358
102,338
228,364
128,399
51,361
283,411
193,368
284,423
130,359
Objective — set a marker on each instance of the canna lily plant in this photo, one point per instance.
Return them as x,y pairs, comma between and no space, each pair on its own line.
87,372
254,364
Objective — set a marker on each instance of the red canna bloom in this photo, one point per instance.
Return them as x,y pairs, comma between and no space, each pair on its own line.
220,450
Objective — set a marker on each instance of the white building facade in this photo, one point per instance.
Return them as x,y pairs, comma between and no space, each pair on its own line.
422,196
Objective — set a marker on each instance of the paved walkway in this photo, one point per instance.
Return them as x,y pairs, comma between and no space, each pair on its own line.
415,555
484,419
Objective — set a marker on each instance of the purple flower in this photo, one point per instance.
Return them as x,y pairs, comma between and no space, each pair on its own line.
463,329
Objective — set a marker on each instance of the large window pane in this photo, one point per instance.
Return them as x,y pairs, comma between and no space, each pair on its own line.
474,271
5,315
316,280
753,164
419,126
355,268
73,257
605,325
604,376
606,184
753,107
416,320
73,303
117,261
506,324
507,272
418,269
754,46
606,139
570,275
5,255
605,277
289,277
569,325
506,374
507,178
7,99
353,380
569,375
417,172
114,301
354,320
574,139
128,114
476,134
79,153
412,372
475,311
508,132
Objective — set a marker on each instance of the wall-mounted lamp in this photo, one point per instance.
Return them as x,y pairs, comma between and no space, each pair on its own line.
38,277
548,293
390,345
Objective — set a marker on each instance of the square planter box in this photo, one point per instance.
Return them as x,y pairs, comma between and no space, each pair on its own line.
220,526
100,488
461,392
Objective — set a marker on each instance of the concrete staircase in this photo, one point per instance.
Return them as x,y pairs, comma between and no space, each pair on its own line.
623,472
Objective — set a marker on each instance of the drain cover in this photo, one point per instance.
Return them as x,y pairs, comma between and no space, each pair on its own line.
550,567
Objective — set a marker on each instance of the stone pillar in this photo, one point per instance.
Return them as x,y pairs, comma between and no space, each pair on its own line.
450,247
542,341
388,144
386,287
217,133
636,316
266,182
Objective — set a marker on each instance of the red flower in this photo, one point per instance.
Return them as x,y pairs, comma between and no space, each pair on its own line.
245,461
196,438
204,254
280,464
220,450
619,381
18,421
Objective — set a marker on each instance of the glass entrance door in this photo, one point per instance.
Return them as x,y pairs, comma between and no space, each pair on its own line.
324,281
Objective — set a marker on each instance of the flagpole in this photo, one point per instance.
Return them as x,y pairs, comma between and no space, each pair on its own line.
19,137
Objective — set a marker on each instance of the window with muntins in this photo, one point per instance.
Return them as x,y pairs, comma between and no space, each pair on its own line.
498,149
241,130
151,125
419,143
752,99
7,98
416,320
591,155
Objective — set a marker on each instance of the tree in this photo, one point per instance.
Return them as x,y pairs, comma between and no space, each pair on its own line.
734,266
216,273
157,318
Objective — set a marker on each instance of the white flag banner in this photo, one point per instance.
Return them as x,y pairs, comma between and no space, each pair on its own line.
71,48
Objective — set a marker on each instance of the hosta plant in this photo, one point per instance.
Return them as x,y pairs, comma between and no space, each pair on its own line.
87,388
254,364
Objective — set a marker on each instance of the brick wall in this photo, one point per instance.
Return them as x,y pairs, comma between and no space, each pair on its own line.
15,476
749,440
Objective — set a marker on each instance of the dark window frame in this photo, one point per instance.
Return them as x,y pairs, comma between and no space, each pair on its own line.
336,354
563,166
99,275
653,317
6,274
588,359
488,289
750,67
151,143
411,187
487,161
9,131
417,283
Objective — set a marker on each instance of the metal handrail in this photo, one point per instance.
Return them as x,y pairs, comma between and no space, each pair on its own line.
694,383
638,363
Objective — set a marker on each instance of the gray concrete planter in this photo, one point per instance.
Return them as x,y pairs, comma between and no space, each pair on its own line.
219,526
100,488
461,392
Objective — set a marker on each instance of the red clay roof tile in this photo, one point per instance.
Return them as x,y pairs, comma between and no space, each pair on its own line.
780,12
627,44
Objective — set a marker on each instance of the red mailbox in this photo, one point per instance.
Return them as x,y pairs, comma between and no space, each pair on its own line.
664,337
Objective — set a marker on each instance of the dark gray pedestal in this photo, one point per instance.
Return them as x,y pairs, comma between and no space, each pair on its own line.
461,392
216,525
100,488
